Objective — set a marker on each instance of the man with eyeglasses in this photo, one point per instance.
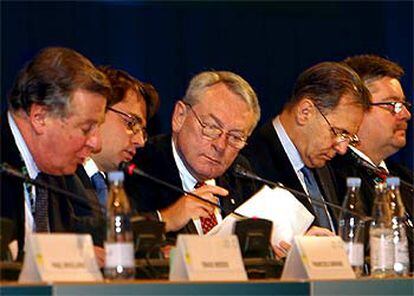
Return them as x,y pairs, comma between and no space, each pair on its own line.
209,127
123,131
320,120
382,133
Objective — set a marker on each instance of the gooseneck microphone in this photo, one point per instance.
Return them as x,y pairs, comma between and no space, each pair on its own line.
132,169
10,170
371,168
240,171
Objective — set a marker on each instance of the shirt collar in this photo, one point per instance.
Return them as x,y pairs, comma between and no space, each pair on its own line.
366,158
288,146
90,167
27,157
188,181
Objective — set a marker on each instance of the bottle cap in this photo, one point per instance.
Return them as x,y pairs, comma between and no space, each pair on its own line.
116,176
393,181
353,182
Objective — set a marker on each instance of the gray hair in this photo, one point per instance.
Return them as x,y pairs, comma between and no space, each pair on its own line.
234,82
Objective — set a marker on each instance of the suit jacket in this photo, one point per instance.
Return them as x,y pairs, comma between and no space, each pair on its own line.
157,159
62,216
12,195
350,165
87,213
270,161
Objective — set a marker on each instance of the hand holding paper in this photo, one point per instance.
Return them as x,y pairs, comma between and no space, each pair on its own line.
288,215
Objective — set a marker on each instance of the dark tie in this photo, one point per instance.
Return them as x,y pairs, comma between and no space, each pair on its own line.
313,189
41,216
98,182
207,223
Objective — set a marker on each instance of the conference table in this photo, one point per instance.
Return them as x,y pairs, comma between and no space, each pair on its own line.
364,286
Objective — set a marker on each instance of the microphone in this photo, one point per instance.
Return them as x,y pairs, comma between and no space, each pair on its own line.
370,167
10,170
240,171
131,169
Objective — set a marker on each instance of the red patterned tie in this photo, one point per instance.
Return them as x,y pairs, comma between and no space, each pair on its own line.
382,174
207,223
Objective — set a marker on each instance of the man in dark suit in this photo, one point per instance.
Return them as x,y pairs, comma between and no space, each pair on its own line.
209,127
129,106
382,133
320,120
55,107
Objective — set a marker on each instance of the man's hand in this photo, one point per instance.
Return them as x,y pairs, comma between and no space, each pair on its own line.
100,256
188,207
319,231
281,250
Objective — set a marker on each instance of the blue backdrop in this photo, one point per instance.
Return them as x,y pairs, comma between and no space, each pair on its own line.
268,43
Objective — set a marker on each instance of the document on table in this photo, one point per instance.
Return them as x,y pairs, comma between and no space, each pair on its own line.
278,205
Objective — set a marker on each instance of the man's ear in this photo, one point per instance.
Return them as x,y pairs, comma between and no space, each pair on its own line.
305,110
179,115
38,115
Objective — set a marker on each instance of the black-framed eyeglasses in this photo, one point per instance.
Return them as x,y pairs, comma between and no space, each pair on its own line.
395,107
213,132
133,123
340,137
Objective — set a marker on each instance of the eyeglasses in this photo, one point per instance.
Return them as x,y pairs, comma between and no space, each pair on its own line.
394,107
340,137
213,132
133,123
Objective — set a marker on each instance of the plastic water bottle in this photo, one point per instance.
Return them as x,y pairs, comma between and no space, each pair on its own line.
119,245
381,235
401,258
351,226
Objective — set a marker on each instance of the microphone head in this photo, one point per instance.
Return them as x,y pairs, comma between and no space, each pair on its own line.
127,167
239,171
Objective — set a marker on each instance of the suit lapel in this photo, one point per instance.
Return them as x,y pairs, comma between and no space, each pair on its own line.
282,166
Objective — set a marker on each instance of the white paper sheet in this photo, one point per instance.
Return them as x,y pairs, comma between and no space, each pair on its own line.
278,205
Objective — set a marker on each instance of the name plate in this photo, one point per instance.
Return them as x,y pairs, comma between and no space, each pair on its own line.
317,257
207,258
60,258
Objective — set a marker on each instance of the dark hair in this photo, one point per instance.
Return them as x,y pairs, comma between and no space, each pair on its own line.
51,78
326,83
121,82
370,67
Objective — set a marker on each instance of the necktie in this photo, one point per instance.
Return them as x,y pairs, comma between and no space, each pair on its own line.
381,174
41,216
209,222
320,209
98,182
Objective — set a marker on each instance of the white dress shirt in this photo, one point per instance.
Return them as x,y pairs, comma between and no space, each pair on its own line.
188,182
32,170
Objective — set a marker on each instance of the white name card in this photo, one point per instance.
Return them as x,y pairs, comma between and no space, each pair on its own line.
60,258
207,258
317,257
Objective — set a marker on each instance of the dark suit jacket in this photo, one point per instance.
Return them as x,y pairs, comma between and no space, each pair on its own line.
88,215
62,216
12,195
350,165
156,159
270,161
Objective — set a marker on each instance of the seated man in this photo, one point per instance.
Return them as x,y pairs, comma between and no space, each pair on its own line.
320,119
130,105
209,127
382,133
55,108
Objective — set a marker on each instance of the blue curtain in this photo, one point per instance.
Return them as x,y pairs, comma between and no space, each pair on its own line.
268,43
